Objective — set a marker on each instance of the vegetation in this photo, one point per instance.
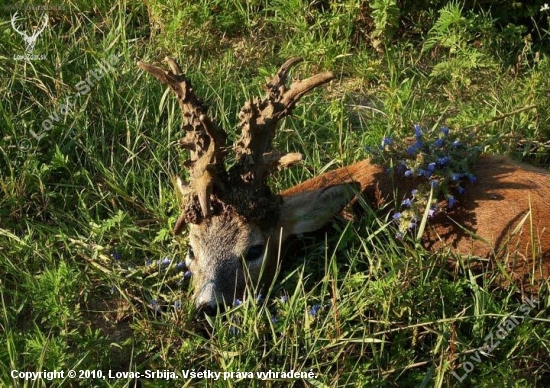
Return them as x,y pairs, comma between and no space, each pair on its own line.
91,277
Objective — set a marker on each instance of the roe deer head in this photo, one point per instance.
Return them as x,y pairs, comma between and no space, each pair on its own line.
236,223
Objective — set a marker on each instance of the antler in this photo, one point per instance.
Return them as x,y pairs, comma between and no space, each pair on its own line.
259,119
39,31
13,19
246,192
204,139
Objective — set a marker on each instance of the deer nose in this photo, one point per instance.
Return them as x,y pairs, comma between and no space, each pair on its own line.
206,299
208,309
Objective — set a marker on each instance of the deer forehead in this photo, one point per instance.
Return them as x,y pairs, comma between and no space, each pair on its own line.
224,235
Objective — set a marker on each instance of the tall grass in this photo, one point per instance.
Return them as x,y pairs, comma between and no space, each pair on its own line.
90,274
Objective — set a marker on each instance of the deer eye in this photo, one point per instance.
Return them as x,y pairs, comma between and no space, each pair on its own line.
254,252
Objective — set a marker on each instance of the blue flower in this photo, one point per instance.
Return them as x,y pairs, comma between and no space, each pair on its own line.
396,216
154,304
406,202
314,309
116,255
412,225
284,298
409,173
417,131
400,168
237,302
456,143
165,261
180,266
274,319
411,150
443,160
187,274
431,212
434,183
431,166
455,176
439,142
445,131
418,144
472,178
451,200
387,141
421,172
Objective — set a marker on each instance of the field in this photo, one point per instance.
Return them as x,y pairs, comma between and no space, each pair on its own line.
91,277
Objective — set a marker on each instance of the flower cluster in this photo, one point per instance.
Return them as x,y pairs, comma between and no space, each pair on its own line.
439,160
279,309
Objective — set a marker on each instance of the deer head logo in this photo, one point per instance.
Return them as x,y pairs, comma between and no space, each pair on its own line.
30,40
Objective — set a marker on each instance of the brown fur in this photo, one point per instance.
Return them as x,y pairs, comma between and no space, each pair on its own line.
490,219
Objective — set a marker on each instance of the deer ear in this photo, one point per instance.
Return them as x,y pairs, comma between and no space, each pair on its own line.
310,210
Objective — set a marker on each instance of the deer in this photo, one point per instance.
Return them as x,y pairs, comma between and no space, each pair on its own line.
236,223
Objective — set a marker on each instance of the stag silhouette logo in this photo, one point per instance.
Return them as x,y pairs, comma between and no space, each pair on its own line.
30,39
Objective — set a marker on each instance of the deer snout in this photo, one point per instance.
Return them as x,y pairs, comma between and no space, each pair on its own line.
207,298
207,309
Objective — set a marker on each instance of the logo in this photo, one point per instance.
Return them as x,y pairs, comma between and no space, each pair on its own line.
30,39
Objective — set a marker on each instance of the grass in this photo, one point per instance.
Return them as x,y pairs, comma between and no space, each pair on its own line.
86,212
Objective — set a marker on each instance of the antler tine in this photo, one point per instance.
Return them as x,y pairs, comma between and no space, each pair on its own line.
282,74
39,31
289,97
259,119
204,139
13,19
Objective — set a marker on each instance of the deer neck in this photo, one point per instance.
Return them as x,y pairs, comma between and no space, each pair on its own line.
375,183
